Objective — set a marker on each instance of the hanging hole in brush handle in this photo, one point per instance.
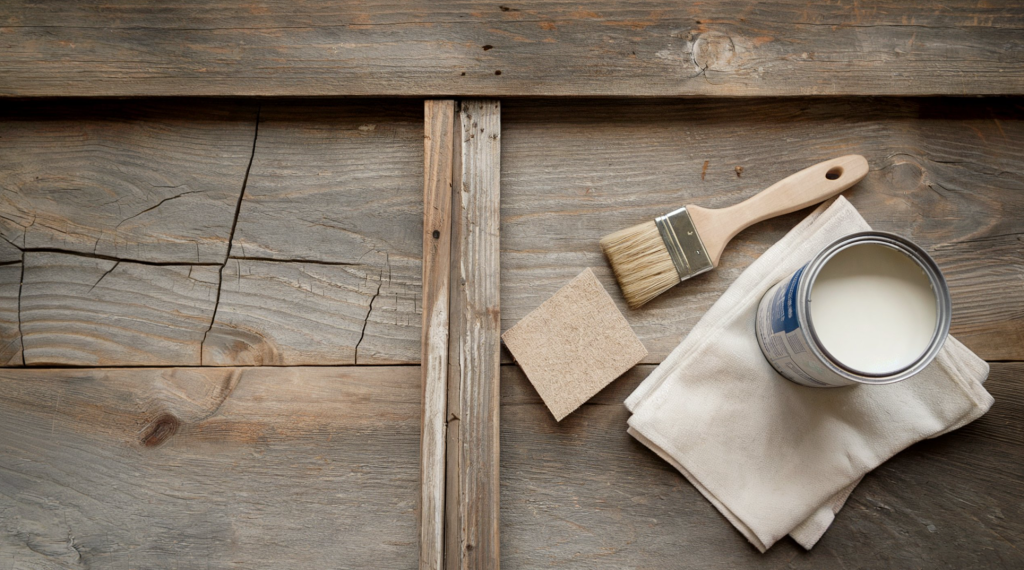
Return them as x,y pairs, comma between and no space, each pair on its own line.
805,188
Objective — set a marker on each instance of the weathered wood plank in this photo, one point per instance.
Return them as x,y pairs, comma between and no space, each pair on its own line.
9,252
294,313
438,148
335,181
948,174
140,180
85,311
584,494
10,315
472,487
211,468
542,47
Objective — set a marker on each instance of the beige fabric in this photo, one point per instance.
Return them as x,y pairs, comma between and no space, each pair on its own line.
774,457
574,344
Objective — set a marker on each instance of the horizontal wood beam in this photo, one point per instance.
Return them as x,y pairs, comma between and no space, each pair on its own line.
255,467
649,48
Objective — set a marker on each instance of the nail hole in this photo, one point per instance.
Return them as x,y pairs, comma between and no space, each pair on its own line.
436,234
834,172
498,72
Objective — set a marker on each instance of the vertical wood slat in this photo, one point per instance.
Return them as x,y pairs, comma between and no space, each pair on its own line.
472,486
438,147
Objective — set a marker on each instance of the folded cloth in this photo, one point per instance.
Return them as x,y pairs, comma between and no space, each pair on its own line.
774,457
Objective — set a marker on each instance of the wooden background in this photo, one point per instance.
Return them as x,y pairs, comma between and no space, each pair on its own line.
211,308
527,47
116,223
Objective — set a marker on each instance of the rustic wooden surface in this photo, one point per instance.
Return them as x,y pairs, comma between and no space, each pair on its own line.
529,47
583,494
209,468
317,467
948,174
10,323
472,478
945,173
325,264
81,310
145,181
438,157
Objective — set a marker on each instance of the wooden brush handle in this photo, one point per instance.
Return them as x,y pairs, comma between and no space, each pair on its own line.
807,187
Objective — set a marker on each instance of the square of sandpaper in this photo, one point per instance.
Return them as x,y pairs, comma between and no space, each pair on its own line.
574,344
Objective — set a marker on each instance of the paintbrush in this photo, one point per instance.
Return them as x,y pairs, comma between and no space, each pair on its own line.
650,258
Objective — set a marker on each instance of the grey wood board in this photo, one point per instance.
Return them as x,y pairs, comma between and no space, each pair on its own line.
85,311
10,315
584,494
141,180
9,252
335,181
472,489
526,48
947,173
294,313
209,468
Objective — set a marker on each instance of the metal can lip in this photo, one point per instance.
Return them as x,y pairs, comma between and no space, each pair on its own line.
935,277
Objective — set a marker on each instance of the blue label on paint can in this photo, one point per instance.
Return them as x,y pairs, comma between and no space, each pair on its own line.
784,313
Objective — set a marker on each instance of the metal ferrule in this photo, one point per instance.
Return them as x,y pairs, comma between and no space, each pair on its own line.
683,244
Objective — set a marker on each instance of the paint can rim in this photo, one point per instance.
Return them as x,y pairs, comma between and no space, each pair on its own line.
935,277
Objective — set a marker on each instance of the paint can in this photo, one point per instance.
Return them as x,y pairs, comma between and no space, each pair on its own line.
869,308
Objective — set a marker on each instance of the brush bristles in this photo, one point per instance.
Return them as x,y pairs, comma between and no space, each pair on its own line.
641,263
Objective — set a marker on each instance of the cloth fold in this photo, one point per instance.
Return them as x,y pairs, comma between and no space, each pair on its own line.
774,457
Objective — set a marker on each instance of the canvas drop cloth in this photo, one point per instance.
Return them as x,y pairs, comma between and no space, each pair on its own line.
774,457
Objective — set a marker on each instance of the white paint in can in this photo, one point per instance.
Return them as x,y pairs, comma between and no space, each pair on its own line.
870,308
873,309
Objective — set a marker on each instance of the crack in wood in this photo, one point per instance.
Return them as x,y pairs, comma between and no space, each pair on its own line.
297,261
231,236
108,272
21,287
117,259
380,283
151,208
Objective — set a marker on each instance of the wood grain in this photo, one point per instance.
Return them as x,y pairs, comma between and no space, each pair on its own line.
84,311
944,173
10,315
9,252
584,494
295,313
532,47
340,182
472,487
210,468
333,187
438,149
137,180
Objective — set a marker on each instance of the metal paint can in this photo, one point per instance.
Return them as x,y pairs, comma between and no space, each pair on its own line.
787,336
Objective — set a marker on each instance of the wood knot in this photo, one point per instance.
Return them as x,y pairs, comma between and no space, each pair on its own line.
160,430
713,50
904,174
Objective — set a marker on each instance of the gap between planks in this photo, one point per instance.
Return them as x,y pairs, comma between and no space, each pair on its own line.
459,455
